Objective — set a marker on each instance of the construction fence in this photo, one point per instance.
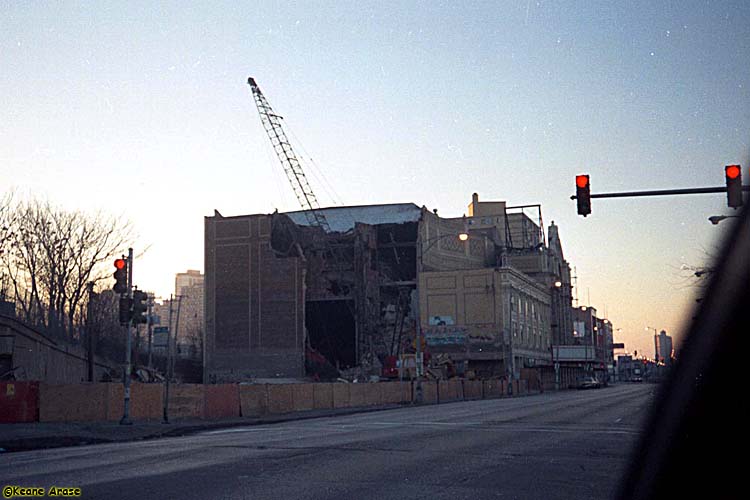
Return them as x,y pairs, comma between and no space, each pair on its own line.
85,402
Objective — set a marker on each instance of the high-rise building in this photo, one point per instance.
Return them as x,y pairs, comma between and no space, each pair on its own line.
188,324
664,347
189,279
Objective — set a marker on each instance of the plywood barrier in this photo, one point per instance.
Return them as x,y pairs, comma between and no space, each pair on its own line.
19,402
186,400
322,396
280,398
341,395
429,392
450,390
523,387
221,401
302,396
472,389
253,400
114,407
392,392
374,394
358,394
72,402
146,402
407,392
493,388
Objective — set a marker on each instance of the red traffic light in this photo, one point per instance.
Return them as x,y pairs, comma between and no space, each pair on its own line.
732,171
583,194
120,263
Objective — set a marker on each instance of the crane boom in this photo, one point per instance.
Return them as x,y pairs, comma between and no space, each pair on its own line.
292,167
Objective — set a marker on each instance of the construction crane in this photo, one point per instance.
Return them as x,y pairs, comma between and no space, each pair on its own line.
292,167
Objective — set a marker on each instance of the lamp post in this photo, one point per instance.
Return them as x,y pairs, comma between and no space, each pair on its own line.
656,345
557,285
463,236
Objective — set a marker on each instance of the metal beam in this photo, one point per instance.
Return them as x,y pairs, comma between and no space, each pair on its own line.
663,192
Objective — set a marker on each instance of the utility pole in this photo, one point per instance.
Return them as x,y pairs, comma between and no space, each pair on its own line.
176,329
90,331
167,368
418,396
125,420
171,343
150,327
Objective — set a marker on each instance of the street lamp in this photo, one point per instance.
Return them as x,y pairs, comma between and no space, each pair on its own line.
715,219
462,236
656,346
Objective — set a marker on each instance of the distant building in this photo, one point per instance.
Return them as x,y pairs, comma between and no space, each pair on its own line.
625,367
189,279
188,300
664,347
592,347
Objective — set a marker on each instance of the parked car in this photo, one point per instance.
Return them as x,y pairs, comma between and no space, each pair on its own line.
636,379
589,383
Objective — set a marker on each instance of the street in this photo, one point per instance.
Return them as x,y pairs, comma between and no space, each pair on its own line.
571,444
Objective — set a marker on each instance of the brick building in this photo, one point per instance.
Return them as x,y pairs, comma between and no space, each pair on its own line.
276,287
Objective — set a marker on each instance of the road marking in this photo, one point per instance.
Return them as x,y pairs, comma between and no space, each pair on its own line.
618,420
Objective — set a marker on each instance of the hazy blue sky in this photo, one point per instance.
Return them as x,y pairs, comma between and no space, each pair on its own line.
422,102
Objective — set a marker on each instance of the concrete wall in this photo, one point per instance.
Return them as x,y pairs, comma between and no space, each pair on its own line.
44,359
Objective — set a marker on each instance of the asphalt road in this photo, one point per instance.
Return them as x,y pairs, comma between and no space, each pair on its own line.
573,445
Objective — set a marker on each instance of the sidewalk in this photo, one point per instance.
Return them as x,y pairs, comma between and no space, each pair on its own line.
34,436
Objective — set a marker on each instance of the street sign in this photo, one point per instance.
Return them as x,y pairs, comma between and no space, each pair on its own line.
161,336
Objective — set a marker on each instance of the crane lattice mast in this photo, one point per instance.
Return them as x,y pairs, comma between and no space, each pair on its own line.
292,167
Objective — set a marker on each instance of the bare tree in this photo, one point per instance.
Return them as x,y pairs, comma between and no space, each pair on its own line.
50,256
6,221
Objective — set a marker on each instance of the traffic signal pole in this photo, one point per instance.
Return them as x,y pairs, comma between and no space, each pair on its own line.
125,420
662,192
733,189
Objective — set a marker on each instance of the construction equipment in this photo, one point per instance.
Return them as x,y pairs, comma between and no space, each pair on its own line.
333,258
292,167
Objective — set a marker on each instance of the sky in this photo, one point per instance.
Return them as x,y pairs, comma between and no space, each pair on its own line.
142,109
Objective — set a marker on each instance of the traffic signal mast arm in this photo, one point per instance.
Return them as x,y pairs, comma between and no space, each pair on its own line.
662,192
281,145
733,189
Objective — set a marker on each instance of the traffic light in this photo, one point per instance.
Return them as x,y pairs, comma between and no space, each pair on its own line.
140,307
121,276
583,194
126,309
733,175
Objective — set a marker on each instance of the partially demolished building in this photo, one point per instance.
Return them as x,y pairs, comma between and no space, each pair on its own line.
282,295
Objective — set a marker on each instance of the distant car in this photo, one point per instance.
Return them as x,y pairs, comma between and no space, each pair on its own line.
636,379
589,383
